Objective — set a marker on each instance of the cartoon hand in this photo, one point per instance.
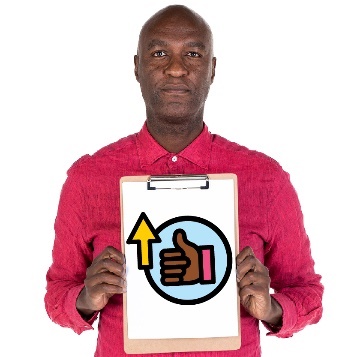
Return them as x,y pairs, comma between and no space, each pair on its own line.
186,263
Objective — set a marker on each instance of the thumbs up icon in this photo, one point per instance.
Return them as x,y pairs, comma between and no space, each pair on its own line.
187,263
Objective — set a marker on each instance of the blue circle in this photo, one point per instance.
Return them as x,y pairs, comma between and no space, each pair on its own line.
202,233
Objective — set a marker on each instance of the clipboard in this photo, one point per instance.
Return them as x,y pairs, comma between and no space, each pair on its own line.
159,204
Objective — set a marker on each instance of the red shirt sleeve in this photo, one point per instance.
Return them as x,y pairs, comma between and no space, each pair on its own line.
297,287
71,256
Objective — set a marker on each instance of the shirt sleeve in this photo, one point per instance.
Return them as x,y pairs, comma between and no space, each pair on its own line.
288,257
71,256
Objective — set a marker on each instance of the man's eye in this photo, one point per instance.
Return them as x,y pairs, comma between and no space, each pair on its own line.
193,54
159,54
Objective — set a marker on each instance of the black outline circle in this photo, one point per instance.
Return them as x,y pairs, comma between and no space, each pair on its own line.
226,275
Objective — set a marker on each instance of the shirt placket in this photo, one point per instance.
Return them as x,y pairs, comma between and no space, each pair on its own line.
174,163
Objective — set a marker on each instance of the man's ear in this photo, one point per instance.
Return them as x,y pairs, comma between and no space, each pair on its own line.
214,61
136,67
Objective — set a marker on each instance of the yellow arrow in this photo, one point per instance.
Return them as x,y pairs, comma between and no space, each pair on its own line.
144,235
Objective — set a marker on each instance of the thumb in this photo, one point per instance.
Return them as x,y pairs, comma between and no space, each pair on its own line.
181,242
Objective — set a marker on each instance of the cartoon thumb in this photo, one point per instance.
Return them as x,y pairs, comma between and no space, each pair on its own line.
181,242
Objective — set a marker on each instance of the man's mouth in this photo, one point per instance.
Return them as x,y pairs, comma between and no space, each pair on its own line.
177,89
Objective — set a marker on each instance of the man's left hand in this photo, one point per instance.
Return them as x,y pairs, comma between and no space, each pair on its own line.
254,288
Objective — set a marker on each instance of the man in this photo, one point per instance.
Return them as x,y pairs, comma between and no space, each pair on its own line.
175,67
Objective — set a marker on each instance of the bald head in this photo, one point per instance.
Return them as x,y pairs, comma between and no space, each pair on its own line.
177,17
175,67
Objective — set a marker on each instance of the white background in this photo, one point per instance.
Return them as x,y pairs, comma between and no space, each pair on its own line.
285,85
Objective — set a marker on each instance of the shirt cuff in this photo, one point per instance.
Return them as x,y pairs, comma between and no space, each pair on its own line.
78,323
289,317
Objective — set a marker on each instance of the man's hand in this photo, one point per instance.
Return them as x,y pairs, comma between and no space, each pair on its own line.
104,278
254,285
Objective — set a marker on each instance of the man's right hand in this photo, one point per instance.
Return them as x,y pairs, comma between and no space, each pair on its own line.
104,278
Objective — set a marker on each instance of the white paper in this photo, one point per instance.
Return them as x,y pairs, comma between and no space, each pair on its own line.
151,316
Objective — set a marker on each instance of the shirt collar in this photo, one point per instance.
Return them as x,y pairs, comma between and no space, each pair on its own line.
198,152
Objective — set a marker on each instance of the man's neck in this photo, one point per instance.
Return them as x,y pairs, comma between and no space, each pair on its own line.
174,137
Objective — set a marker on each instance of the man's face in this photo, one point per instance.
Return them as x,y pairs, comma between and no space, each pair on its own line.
175,68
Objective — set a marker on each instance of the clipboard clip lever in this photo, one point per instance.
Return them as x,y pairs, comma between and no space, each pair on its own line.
178,182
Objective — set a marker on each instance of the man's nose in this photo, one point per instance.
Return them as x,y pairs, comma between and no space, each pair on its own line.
176,67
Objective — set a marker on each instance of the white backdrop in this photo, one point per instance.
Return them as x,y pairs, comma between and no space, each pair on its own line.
285,85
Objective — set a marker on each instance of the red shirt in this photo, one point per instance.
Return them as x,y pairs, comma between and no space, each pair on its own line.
270,221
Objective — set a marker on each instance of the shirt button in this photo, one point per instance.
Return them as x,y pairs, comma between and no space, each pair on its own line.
174,159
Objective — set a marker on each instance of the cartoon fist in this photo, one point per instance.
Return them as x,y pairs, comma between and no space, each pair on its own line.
187,263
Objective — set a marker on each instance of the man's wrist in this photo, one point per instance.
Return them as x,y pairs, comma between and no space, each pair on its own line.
275,318
86,313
